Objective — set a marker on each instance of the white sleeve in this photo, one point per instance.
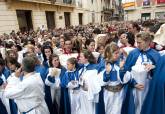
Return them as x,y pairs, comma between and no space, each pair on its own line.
162,52
53,85
57,82
15,88
127,77
94,86
49,83
72,86
100,77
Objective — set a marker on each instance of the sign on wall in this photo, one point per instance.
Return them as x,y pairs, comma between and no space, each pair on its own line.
128,4
160,1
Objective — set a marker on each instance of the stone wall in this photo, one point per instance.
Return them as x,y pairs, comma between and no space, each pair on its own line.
9,21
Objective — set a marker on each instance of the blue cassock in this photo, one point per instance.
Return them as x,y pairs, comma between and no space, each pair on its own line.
2,107
43,70
65,107
45,64
53,107
100,107
6,72
67,77
128,103
100,64
155,99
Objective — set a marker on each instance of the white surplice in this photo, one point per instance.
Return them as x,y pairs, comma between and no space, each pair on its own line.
28,93
112,100
141,76
89,98
54,86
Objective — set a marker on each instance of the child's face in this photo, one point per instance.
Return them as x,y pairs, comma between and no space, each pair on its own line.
101,50
55,62
70,66
47,53
12,67
123,38
91,46
82,59
116,55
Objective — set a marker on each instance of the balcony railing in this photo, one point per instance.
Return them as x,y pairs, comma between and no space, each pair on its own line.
64,2
107,9
70,3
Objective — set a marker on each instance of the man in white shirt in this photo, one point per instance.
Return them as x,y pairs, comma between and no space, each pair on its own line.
28,93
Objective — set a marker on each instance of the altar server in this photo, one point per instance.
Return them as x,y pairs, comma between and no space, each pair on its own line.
28,93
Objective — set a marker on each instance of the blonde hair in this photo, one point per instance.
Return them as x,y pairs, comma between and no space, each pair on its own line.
109,50
145,36
30,47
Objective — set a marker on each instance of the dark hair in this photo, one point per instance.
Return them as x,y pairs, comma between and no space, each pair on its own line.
13,61
77,45
28,64
47,43
131,38
39,45
2,62
88,41
51,58
46,47
67,39
97,31
135,25
99,47
19,48
121,31
12,52
147,24
1,56
89,56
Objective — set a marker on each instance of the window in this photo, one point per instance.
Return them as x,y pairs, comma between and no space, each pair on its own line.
50,18
145,16
24,19
160,15
92,1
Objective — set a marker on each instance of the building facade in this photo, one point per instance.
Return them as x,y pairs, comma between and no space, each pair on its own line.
144,9
47,14
110,10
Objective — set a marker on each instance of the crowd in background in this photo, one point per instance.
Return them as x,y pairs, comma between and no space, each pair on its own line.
109,68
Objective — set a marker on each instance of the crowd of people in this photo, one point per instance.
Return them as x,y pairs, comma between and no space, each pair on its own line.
111,68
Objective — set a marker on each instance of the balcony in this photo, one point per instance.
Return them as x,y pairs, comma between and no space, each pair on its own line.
79,4
67,3
107,9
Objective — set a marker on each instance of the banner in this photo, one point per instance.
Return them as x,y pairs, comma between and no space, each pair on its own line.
160,1
128,3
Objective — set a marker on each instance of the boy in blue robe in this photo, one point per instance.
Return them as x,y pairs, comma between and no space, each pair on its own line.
155,102
143,41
